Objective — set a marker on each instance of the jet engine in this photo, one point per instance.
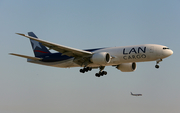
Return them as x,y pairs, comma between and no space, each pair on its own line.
127,67
101,58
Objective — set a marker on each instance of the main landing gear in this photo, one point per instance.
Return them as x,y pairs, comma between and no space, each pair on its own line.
85,69
157,62
101,72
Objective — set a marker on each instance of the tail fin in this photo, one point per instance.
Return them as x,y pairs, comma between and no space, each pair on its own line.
38,48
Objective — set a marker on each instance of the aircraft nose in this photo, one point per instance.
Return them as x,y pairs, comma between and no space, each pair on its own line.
168,53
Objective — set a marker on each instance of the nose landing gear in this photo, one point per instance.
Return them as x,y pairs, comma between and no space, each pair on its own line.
157,62
156,66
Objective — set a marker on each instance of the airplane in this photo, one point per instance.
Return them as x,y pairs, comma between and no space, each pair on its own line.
123,58
136,94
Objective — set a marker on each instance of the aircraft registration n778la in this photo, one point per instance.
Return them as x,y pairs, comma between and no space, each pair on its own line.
123,58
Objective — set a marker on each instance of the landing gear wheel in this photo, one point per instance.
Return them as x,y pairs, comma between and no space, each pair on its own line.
105,73
101,73
157,62
82,70
85,69
97,75
157,66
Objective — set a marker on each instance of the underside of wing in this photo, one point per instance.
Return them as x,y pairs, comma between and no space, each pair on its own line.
60,48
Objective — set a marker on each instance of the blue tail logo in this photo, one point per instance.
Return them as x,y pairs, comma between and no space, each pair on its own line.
35,44
39,49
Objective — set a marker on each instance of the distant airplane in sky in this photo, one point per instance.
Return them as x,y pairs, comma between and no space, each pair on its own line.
123,58
136,94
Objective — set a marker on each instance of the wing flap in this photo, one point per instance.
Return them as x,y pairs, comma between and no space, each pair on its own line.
60,48
24,56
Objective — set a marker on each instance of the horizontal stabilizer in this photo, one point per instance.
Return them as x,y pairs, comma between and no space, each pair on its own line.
24,56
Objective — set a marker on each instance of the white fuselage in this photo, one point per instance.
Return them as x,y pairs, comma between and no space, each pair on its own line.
126,54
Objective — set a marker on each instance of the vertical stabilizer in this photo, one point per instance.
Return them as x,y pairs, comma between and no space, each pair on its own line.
38,48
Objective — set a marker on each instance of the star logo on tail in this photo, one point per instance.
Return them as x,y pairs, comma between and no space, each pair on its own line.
35,44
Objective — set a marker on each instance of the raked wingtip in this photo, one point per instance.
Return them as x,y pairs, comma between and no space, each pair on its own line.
21,34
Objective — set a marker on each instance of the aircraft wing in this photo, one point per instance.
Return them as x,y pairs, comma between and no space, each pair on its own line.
60,48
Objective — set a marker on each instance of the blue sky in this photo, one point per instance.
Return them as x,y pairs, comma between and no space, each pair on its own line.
82,24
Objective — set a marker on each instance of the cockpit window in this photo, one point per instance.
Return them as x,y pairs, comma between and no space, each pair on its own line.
165,48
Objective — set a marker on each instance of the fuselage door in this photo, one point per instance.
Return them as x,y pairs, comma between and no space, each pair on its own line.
151,49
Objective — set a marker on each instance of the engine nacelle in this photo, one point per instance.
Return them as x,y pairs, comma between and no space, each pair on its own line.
101,58
127,67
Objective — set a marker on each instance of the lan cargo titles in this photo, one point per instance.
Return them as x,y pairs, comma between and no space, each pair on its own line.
123,58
